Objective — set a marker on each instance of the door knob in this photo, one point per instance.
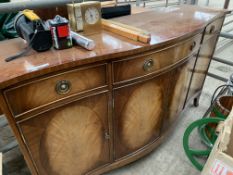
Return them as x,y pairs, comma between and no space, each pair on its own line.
63,87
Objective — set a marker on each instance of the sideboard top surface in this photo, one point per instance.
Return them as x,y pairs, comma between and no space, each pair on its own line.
166,25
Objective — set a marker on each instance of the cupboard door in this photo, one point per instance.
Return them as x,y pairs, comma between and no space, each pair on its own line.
179,88
70,139
138,113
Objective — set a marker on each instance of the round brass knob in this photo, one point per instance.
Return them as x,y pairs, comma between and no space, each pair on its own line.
193,46
212,29
63,87
148,64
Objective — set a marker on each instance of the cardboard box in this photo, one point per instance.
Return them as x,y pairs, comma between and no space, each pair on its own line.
220,161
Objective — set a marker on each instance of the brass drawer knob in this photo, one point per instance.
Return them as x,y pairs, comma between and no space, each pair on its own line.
193,46
212,29
148,64
63,87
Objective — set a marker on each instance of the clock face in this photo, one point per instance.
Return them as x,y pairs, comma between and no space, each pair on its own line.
92,15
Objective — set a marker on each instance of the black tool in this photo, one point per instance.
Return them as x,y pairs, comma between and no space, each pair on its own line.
31,28
116,11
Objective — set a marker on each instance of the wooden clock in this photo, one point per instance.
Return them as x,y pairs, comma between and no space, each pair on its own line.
85,16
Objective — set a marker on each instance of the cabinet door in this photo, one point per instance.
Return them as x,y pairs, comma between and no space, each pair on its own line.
138,113
69,140
179,88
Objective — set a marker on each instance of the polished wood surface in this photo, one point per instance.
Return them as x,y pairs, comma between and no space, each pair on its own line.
70,139
137,121
134,67
123,97
80,80
190,20
182,76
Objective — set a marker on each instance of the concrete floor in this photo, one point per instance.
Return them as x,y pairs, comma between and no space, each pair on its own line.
169,158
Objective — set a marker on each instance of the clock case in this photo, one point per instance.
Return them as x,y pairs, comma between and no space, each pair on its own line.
76,14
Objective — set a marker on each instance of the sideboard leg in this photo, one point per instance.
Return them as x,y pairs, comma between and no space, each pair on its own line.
196,101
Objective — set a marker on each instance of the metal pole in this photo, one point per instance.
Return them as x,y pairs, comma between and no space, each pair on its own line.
217,77
222,61
226,35
138,2
21,5
226,4
227,22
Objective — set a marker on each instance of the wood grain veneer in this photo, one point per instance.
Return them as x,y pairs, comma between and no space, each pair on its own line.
117,109
134,67
138,123
176,102
42,91
58,139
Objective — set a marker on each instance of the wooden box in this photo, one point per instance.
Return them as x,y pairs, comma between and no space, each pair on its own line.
220,161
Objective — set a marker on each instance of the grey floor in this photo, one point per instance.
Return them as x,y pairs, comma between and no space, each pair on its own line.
169,158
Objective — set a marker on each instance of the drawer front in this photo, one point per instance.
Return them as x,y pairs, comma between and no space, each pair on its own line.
136,67
213,29
44,91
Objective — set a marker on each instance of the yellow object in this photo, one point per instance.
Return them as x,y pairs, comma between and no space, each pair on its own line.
31,15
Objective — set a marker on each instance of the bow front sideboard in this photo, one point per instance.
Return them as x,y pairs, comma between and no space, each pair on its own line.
87,112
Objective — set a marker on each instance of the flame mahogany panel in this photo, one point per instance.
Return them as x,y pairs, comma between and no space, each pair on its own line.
42,91
139,111
181,79
134,67
120,106
69,139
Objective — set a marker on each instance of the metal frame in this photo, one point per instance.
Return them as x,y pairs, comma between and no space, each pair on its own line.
224,35
21,5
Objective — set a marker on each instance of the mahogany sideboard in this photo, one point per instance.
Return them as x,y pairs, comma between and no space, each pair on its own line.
87,112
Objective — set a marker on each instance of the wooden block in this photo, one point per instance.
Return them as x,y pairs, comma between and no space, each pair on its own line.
119,30
126,31
127,26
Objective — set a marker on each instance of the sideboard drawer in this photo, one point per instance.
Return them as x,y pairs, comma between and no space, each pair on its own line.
152,62
213,29
46,90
